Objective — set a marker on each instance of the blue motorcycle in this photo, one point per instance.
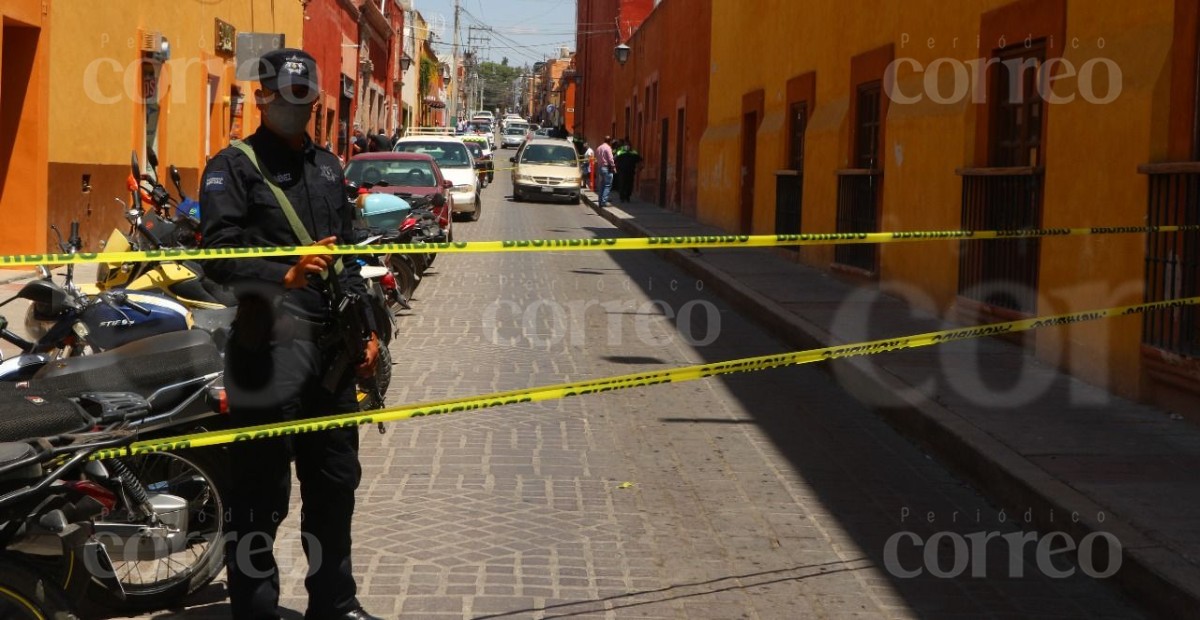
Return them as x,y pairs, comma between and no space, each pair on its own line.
65,322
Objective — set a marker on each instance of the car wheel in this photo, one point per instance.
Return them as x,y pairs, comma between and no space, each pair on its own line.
478,208
575,201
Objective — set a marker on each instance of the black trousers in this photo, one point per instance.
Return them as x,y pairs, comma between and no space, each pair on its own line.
624,182
283,382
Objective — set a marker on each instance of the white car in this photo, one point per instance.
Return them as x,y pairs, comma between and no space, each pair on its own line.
457,165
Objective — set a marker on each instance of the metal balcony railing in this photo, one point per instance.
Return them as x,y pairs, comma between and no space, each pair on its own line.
789,194
1173,259
1001,273
858,211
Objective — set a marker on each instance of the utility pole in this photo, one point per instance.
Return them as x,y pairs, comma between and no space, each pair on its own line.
454,68
476,88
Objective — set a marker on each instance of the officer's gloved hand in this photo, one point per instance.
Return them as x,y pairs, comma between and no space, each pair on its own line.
316,264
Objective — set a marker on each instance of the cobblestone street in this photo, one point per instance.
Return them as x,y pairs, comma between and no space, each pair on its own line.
763,495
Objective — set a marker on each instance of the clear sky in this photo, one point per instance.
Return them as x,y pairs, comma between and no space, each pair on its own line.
526,31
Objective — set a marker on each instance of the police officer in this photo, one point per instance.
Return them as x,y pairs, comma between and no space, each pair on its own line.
278,353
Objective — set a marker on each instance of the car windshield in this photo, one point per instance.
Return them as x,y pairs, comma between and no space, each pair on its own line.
478,126
446,154
394,172
475,148
551,154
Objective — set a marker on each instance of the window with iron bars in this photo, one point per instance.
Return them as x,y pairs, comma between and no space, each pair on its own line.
1008,194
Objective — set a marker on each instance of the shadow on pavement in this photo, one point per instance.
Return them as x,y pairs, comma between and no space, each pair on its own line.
866,491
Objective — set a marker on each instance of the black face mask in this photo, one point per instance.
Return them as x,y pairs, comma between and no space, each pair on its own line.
286,118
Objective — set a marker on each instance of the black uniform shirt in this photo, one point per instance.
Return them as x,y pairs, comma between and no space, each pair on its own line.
239,210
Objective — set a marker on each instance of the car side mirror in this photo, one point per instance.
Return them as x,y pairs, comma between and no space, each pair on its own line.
438,200
447,184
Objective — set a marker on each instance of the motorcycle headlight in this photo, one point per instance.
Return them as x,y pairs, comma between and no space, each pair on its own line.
38,321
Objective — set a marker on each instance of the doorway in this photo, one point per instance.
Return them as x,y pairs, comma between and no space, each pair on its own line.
680,136
749,149
663,162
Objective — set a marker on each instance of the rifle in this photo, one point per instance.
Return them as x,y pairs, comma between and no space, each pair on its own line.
350,334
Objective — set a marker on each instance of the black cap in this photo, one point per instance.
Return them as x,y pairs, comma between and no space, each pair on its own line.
285,67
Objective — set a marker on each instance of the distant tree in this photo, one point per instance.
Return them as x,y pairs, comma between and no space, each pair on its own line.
497,83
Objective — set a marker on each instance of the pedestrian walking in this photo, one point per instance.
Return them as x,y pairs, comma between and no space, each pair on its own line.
628,160
359,143
605,167
279,189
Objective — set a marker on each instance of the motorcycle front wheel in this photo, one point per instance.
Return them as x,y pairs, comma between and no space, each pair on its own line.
198,476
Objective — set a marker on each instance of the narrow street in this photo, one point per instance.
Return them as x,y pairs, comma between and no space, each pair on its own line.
763,495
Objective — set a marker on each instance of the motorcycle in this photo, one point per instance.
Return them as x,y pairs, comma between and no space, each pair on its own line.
64,322
39,508
416,224
163,223
161,527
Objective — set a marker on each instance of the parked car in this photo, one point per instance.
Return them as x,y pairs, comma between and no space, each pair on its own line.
546,168
482,127
514,135
415,177
482,153
456,164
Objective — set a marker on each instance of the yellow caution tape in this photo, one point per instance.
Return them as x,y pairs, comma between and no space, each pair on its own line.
608,384
541,245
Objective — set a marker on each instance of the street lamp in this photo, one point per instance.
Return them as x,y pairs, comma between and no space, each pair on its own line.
622,54
405,63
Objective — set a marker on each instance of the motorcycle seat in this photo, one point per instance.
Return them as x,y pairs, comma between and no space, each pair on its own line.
140,367
28,413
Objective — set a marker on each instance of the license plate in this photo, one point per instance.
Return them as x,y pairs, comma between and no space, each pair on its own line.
547,190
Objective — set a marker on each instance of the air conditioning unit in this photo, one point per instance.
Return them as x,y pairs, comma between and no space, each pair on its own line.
151,41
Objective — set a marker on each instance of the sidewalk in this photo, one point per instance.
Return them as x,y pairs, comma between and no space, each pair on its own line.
1045,455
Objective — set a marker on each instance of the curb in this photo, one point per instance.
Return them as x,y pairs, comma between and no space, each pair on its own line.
1153,575
16,276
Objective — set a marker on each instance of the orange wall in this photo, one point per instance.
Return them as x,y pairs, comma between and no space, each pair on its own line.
1092,150
24,132
96,108
682,75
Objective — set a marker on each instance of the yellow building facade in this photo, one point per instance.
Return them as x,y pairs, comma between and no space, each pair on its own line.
24,132
135,75
979,114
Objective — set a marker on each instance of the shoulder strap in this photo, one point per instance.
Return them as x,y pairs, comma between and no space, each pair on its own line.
288,210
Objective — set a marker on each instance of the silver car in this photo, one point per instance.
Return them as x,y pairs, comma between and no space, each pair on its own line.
513,136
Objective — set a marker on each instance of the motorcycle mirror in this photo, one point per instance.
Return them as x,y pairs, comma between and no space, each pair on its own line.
151,158
134,165
58,234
